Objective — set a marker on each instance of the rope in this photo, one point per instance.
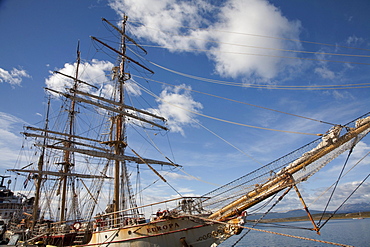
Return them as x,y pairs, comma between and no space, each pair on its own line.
293,236
255,54
336,184
181,169
240,102
346,200
254,35
230,143
263,216
287,87
265,48
276,233
224,120
358,162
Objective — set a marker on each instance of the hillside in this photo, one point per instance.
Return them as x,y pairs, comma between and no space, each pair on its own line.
348,209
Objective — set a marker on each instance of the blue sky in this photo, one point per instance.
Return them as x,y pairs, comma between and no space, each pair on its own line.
243,50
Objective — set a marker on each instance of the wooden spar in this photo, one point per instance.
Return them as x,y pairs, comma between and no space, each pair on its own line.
327,149
123,55
58,133
317,229
71,77
119,110
61,140
278,183
109,156
154,170
122,105
59,174
122,33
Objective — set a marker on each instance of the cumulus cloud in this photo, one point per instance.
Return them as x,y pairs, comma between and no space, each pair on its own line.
93,72
225,38
175,104
13,77
98,73
178,107
343,191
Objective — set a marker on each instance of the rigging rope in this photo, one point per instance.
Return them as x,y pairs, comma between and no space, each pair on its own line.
263,216
240,102
281,87
346,200
335,186
286,87
276,233
255,54
257,35
262,36
229,143
224,120
342,177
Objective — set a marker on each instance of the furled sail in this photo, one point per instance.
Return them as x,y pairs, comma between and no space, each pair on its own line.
286,171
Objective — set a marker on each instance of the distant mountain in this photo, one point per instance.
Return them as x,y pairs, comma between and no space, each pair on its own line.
347,208
280,215
355,208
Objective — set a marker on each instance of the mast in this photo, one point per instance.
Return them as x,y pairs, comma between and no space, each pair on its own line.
121,181
119,148
40,169
67,154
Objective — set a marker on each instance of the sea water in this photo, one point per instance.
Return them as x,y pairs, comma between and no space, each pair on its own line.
353,232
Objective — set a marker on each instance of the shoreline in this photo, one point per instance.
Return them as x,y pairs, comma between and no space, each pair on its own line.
318,216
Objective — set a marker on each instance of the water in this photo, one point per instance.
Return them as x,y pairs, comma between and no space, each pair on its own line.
347,231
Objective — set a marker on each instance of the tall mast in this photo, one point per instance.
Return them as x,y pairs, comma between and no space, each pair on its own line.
67,154
122,195
120,123
40,169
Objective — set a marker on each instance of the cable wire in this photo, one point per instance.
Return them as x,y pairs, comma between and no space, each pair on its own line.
256,35
224,120
240,102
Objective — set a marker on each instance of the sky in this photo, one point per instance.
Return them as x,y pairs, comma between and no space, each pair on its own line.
299,58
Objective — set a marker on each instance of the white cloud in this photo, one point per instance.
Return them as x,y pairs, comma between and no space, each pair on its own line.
175,104
252,17
317,200
93,73
325,73
14,77
10,139
354,40
237,17
340,95
178,107
343,191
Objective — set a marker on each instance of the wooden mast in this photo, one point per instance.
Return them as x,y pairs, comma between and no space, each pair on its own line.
118,136
120,123
40,169
67,154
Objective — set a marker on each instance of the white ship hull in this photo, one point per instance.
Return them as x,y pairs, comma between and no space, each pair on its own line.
181,231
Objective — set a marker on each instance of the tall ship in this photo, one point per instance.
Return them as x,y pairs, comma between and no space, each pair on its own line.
84,150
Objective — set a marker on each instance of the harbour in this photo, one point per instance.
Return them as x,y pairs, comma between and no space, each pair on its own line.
344,231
